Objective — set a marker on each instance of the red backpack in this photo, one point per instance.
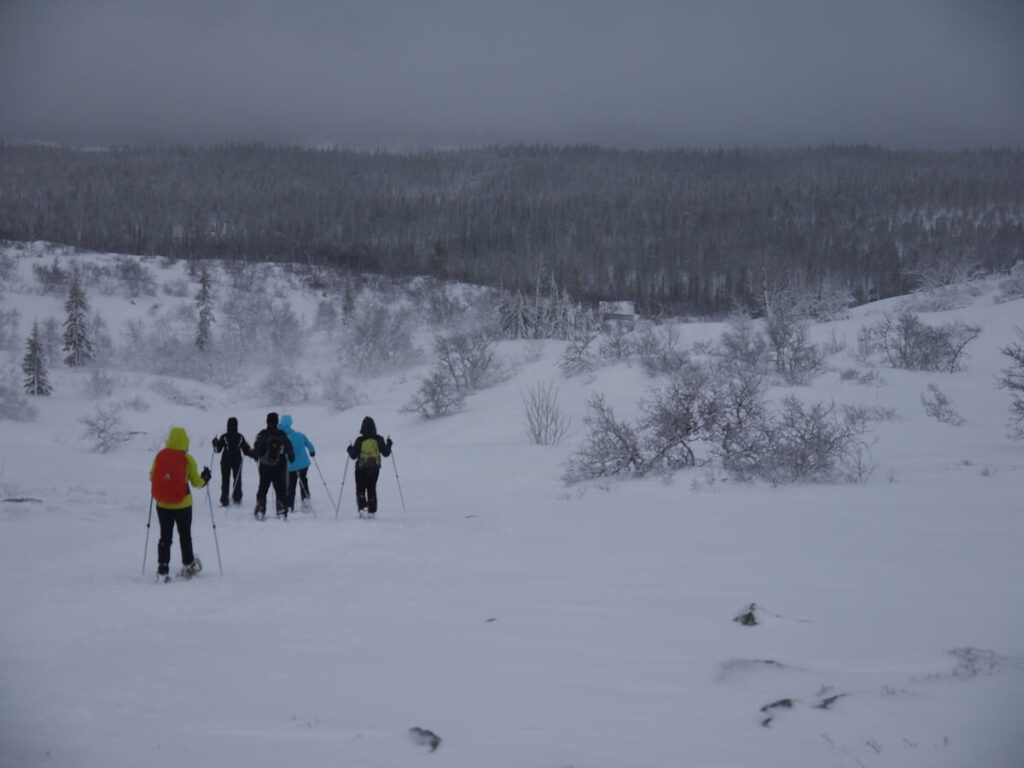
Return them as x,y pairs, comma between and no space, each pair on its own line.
170,476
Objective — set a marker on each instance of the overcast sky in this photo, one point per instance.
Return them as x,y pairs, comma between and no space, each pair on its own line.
408,74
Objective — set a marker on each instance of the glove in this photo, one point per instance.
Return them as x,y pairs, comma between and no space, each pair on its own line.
388,441
214,443
206,474
312,454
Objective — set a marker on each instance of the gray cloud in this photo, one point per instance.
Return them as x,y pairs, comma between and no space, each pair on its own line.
640,73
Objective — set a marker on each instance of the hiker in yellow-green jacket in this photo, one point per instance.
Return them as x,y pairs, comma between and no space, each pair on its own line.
367,450
172,472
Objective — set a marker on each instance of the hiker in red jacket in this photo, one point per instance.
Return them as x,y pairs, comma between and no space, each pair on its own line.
173,469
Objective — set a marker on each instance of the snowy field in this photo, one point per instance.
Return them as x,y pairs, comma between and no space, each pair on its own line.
527,623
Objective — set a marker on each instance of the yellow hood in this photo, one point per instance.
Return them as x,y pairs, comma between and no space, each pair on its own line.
178,439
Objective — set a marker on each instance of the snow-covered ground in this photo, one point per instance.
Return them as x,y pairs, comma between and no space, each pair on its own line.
525,622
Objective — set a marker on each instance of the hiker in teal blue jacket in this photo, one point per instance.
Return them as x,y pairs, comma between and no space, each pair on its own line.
298,466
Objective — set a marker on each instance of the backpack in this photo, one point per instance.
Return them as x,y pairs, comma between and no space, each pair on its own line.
170,477
275,447
369,453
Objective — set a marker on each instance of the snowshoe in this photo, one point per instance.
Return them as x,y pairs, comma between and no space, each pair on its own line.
190,570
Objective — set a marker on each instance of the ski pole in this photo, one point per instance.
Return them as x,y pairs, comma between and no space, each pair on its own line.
394,464
317,465
214,523
344,474
146,550
209,503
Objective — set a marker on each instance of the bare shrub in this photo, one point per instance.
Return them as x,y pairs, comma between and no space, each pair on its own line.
742,345
659,352
546,420
579,356
739,432
9,321
52,279
938,405
796,359
616,345
677,414
135,278
1012,378
469,360
907,342
813,444
105,428
859,416
437,396
377,336
611,447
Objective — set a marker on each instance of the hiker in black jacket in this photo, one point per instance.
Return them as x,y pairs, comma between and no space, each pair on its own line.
231,446
273,451
367,450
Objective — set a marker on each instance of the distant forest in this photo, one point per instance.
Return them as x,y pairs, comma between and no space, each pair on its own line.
676,231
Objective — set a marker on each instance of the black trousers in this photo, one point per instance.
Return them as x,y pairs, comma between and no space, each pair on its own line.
276,475
366,488
297,479
168,519
230,472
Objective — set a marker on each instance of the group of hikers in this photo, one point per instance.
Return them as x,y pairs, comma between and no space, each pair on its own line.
283,457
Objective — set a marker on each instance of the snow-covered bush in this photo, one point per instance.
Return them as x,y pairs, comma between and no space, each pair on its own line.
546,420
8,271
675,415
339,392
437,396
579,356
938,405
469,359
282,384
611,448
51,279
1012,287
813,444
135,279
14,403
9,321
742,346
796,359
1012,378
378,336
105,428
658,351
907,342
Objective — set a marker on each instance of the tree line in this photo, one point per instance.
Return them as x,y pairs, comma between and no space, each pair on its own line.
695,232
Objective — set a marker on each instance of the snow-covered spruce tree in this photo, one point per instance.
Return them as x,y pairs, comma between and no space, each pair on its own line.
33,364
76,325
1013,380
204,306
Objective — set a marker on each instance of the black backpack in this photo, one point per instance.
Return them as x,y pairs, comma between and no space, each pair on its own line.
274,449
